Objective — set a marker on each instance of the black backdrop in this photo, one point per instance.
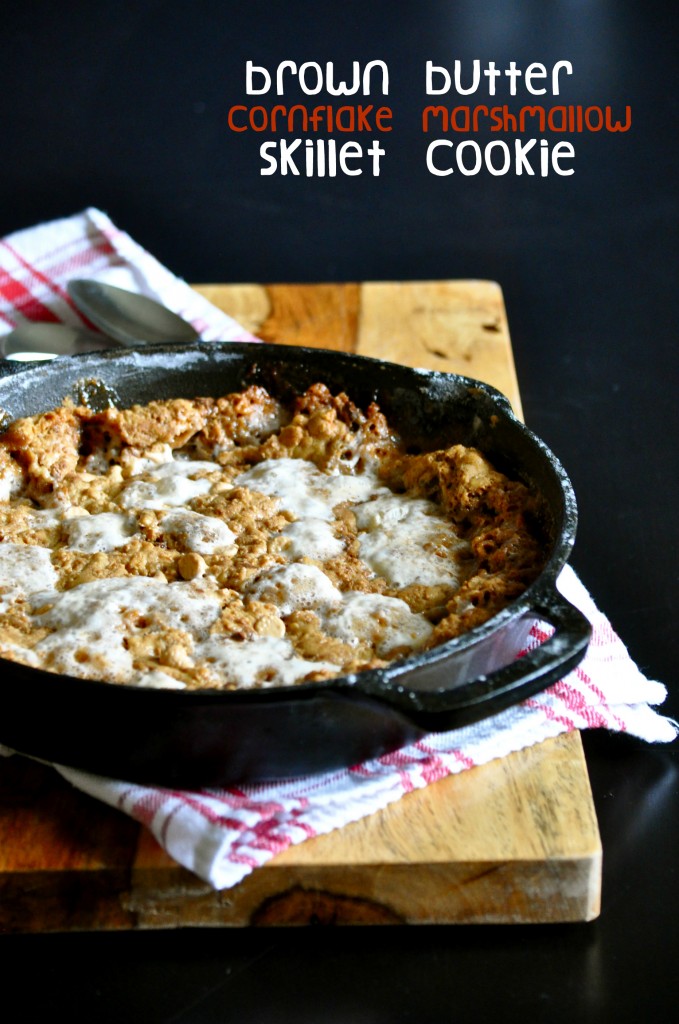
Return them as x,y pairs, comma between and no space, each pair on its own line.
124,106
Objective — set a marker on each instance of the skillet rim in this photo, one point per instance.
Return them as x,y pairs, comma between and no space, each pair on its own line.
371,683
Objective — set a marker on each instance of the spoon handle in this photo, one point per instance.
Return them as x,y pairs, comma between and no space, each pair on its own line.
34,340
130,318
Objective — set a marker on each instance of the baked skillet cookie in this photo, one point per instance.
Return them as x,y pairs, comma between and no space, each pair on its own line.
239,542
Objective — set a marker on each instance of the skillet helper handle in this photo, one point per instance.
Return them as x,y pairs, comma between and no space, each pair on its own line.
522,678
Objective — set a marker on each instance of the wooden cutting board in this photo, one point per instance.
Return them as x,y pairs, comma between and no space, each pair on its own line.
512,841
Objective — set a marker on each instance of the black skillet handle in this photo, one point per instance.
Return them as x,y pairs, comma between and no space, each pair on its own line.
440,710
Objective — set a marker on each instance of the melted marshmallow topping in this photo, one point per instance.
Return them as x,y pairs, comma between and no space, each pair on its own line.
303,489
103,531
171,485
266,661
295,586
386,623
404,540
24,569
204,534
408,540
154,568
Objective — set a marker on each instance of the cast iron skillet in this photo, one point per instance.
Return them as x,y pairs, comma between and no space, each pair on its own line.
207,738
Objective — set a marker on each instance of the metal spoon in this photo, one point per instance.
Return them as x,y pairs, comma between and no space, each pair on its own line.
33,341
129,318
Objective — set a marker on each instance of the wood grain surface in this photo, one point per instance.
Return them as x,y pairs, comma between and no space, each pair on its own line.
513,841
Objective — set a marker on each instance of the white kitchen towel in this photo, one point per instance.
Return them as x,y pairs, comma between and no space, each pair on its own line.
222,835
37,263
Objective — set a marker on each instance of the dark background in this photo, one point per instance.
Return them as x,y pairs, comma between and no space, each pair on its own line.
124,106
